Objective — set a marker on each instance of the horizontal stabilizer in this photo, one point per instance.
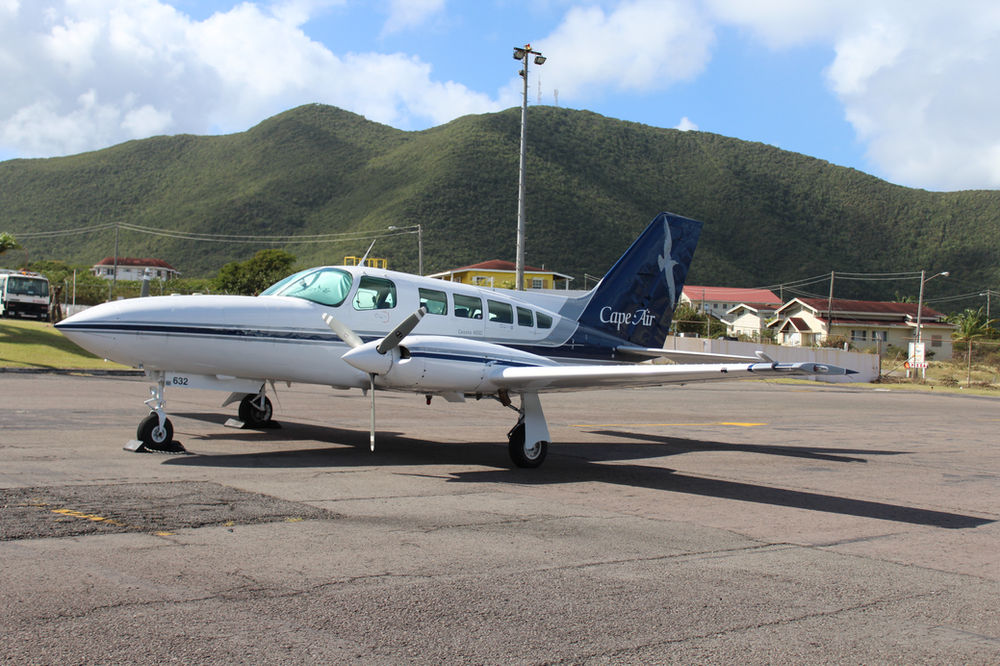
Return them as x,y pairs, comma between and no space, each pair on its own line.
644,353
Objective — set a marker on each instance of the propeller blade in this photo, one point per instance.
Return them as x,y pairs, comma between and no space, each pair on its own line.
396,335
371,429
349,337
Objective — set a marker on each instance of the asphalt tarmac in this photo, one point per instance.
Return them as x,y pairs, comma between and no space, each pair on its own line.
744,522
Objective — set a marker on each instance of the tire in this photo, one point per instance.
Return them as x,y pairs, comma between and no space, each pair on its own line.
523,455
152,435
251,415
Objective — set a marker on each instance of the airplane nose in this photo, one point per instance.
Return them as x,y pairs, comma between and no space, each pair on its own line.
91,317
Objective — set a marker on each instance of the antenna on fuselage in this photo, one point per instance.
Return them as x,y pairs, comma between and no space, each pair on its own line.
367,252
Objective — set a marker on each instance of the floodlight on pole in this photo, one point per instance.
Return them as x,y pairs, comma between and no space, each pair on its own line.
522,55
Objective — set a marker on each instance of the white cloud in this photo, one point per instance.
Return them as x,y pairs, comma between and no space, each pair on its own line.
408,14
685,125
640,45
915,78
83,74
918,90
787,23
298,12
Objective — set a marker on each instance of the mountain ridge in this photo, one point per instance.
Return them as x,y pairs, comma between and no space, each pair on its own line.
592,184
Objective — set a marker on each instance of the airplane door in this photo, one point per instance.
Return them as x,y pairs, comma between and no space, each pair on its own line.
469,315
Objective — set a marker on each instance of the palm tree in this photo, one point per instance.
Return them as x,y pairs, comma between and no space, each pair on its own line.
972,324
7,242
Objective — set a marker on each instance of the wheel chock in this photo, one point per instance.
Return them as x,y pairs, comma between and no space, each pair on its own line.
137,446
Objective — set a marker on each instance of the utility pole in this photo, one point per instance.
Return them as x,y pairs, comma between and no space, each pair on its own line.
920,304
114,275
829,307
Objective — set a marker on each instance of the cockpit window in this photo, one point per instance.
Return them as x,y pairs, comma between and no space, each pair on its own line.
326,286
375,294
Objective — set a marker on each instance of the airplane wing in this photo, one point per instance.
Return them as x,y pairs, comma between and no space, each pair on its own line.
580,378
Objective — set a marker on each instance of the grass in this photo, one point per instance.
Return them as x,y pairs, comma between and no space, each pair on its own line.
37,344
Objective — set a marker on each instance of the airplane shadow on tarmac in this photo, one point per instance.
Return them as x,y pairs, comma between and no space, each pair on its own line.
567,462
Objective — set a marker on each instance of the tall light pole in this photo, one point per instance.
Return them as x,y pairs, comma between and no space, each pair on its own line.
420,244
523,54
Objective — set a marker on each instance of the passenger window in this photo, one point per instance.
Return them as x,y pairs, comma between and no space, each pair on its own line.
435,301
524,317
375,294
501,313
468,307
544,321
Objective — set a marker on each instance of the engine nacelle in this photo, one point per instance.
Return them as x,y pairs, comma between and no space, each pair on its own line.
439,363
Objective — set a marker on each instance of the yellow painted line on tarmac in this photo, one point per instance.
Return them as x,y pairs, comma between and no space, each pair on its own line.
73,513
667,425
88,516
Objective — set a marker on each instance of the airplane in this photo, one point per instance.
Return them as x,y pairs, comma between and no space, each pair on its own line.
352,327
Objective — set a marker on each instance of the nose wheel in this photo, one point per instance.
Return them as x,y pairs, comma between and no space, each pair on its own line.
155,432
152,434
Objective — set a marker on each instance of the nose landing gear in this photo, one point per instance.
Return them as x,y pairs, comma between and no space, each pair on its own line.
155,432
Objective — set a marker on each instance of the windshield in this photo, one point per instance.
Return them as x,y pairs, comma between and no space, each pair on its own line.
26,286
326,286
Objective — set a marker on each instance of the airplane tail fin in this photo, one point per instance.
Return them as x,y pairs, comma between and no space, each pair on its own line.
635,300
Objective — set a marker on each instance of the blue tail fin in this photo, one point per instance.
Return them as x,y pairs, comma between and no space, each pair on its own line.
635,301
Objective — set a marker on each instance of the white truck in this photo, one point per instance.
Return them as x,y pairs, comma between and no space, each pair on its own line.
23,293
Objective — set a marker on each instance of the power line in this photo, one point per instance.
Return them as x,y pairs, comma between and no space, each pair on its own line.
346,236
67,232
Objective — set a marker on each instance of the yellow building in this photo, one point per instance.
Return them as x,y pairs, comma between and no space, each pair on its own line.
502,275
372,262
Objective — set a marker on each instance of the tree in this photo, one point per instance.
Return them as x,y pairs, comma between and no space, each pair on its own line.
255,274
8,242
687,319
972,324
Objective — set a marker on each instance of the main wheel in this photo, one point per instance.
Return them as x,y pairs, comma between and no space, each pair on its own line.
252,415
525,455
152,435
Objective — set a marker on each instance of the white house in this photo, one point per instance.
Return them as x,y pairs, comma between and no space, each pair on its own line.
717,301
866,324
745,319
130,268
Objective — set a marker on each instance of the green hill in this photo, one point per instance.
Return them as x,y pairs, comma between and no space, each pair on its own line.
593,184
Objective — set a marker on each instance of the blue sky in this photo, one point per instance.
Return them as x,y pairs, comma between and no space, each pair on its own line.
902,89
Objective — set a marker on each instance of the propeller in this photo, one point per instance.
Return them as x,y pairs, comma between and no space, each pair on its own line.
373,357
349,337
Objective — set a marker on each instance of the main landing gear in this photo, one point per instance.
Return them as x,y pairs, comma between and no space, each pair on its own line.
528,440
256,411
